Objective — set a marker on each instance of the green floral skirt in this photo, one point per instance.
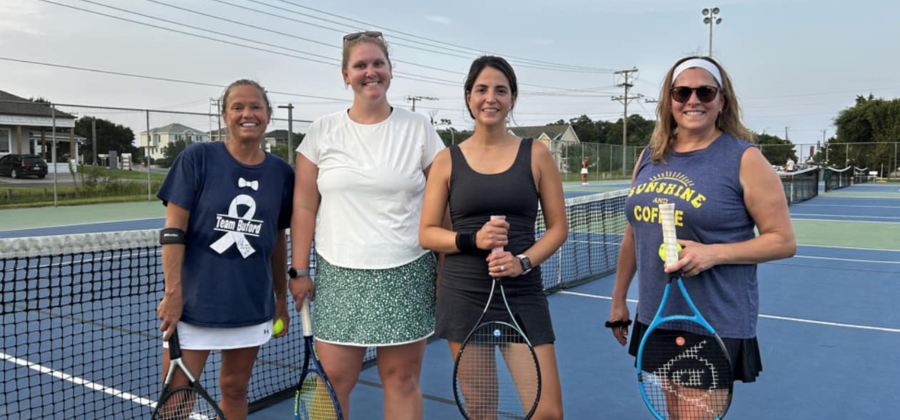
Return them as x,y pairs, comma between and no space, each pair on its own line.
374,307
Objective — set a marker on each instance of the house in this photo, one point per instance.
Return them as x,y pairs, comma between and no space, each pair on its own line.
555,137
215,136
26,128
161,137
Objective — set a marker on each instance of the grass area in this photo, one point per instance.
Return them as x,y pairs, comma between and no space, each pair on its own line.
137,173
110,190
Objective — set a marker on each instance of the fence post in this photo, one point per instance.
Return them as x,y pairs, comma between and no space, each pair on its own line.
147,158
53,155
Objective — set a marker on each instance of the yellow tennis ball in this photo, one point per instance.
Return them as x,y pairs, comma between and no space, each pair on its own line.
662,251
279,326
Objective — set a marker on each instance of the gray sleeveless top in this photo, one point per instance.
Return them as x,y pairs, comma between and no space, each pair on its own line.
473,198
709,203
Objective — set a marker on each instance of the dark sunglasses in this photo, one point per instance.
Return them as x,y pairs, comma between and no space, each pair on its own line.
356,35
705,94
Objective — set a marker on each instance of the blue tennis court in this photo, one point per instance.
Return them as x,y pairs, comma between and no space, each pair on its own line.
824,314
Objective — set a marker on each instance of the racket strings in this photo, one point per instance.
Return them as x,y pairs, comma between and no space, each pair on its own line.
497,374
185,404
686,376
314,400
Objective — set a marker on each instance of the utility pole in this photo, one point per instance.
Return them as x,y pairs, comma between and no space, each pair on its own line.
786,128
413,99
94,138
624,99
290,143
218,118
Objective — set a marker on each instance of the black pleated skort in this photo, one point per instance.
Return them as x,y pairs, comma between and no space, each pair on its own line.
746,363
457,313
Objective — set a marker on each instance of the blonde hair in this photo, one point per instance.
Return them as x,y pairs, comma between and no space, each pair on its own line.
728,121
376,40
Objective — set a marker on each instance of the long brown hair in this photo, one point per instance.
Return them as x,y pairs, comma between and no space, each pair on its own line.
729,121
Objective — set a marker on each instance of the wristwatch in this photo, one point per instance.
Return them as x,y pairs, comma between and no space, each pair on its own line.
526,263
294,273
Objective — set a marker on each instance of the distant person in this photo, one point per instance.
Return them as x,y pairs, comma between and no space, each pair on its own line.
227,207
496,173
584,171
360,178
789,166
699,141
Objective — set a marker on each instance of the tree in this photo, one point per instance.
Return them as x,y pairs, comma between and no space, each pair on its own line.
871,120
775,149
170,152
110,136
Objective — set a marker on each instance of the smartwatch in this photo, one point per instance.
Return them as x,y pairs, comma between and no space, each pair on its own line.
526,263
294,273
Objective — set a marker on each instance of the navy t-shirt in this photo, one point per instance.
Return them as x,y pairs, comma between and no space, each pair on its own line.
236,213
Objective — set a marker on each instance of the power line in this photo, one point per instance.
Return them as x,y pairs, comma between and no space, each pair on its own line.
556,66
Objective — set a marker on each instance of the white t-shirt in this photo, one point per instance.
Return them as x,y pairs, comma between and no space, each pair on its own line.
371,180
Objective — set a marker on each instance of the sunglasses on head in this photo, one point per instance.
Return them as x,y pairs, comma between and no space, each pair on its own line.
355,35
705,94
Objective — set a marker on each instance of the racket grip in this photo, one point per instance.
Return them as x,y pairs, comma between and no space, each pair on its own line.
498,249
305,318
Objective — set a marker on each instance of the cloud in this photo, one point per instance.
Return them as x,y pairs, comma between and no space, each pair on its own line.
20,16
439,19
542,41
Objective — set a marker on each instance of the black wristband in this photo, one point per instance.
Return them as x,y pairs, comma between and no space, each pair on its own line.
465,242
171,236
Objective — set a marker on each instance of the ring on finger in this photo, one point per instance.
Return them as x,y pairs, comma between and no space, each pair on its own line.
502,268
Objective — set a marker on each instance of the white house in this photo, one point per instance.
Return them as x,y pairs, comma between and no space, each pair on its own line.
555,137
26,128
160,137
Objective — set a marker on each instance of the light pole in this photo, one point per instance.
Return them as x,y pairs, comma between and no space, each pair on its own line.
712,17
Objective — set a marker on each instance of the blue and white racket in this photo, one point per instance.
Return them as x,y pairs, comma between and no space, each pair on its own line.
684,370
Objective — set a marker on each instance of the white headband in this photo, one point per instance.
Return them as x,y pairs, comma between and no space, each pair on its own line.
698,62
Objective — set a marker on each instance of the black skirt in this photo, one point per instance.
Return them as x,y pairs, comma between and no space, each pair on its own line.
744,353
457,312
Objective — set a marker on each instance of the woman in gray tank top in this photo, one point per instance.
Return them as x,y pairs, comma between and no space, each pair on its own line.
700,158
495,173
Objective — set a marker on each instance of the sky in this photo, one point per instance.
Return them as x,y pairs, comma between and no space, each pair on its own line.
795,64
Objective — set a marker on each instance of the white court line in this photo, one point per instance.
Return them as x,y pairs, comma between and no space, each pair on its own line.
846,259
782,318
88,384
845,221
83,224
808,204
841,215
851,247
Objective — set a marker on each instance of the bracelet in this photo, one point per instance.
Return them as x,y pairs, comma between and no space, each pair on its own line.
465,242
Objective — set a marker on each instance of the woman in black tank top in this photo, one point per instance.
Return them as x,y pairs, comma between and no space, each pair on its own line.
495,173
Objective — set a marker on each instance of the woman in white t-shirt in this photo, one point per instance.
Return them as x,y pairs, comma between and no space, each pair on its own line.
362,171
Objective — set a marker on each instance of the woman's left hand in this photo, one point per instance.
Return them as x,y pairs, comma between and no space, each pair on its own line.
281,312
504,264
694,258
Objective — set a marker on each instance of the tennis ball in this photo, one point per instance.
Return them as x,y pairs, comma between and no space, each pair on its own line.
662,251
279,326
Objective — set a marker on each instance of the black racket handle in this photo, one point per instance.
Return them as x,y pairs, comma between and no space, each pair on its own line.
174,346
618,324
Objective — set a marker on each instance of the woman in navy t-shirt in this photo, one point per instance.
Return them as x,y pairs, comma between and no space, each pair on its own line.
227,282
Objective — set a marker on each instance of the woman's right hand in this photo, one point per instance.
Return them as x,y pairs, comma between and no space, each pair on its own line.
169,312
300,288
493,234
619,312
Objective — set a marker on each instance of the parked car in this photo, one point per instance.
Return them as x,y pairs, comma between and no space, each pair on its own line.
18,166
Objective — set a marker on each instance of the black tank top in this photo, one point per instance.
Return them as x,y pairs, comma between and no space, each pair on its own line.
473,198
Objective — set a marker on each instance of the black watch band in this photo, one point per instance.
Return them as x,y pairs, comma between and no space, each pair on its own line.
526,263
294,273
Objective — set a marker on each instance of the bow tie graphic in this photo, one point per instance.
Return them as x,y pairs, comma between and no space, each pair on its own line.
243,183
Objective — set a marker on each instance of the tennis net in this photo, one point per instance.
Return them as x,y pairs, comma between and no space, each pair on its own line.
838,178
800,186
860,175
80,331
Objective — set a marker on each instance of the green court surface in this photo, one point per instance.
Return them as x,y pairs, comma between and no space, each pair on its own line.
73,215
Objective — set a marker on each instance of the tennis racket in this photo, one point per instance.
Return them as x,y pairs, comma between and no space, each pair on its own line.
496,373
684,370
315,398
186,402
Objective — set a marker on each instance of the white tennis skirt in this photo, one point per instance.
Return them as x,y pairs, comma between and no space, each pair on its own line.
192,337
584,171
